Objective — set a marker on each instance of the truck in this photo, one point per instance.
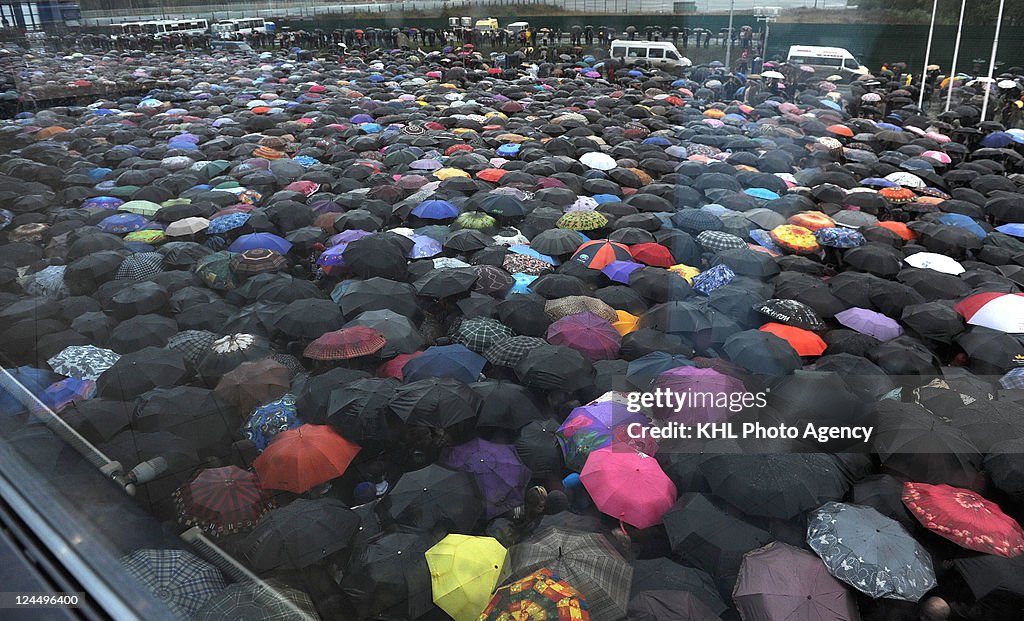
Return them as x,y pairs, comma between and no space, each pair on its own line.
486,25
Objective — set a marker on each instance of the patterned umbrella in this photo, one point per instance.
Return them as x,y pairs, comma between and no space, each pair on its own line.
897,195
140,266
839,237
346,343
872,553
258,602
965,518
215,270
122,223
574,304
230,222
713,278
270,419
540,595
257,261
582,221
791,312
497,470
586,561
193,344
717,241
475,220
591,427
84,362
222,500
508,352
178,578
480,333
795,239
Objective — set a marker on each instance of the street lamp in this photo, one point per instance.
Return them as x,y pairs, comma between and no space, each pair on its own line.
766,14
728,46
956,54
992,61
927,54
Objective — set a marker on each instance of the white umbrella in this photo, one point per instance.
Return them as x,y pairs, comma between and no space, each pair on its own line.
186,227
773,74
906,179
599,161
935,261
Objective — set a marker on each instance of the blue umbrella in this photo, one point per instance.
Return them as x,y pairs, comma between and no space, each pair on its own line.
332,256
530,252
424,247
839,237
763,193
102,202
997,140
508,150
35,380
713,278
600,199
454,361
435,210
764,239
227,223
619,271
271,419
1014,228
522,284
67,391
122,223
878,182
253,241
966,222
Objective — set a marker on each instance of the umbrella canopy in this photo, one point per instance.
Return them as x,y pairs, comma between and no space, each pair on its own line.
998,311
464,571
299,534
222,500
779,581
299,459
346,343
500,474
389,577
965,518
540,595
252,600
86,362
434,496
628,486
587,561
872,553
180,580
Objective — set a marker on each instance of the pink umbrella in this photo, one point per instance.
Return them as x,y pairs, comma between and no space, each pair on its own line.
592,336
706,394
629,486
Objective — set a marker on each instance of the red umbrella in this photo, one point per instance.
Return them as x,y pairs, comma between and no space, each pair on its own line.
804,342
346,343
491,174
629,486
965,518
600,252
653,254
393,367
592,336
299,459
222,500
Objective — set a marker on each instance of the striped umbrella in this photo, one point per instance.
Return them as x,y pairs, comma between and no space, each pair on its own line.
222,500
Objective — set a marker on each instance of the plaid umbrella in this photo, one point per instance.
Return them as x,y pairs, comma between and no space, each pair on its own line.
507,353
1014,379
582,221
85,362
713,278
717,241
479,334
346,343
791,312
586,561
222,500
257,261
872,553
540,595
178,578
140,266
270,419
215,270
193,344
258,602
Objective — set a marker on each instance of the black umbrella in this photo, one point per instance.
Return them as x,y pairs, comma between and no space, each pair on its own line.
434,496
762,353
299,534
553,367
359,410
379,294
142,331
196,414
505,405
884,493
669,606
438,402
388,577
140,371
376,255
445,281
308,319
662,574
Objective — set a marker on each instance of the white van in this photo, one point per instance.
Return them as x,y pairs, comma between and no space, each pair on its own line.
655,53
517,27
827,61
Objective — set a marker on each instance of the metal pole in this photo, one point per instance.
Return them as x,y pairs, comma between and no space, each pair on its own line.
764,43
956,54
992,61
927,54
728,47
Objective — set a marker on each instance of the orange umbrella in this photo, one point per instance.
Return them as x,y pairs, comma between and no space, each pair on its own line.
804,342
299,459
491,174
812,220
899,228
626,322
840,130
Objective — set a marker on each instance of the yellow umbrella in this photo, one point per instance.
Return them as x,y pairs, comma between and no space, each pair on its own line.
626,322
448,173
685,271
463,573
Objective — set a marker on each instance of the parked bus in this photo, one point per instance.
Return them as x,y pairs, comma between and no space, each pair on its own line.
163,27
248,25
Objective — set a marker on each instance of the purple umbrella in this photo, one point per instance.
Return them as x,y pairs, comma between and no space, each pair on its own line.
869,322
345,237
592,336
705,395
424,247
499,473
261,240
425,165
591,427
619,271
332,257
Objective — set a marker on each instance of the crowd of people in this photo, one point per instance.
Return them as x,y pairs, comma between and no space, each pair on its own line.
373,317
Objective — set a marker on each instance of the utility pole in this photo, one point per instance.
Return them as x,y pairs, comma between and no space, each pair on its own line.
927,55
956,54
728,47
992,61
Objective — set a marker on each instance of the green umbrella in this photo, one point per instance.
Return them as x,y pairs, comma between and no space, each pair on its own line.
475,220
144,208
215,270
